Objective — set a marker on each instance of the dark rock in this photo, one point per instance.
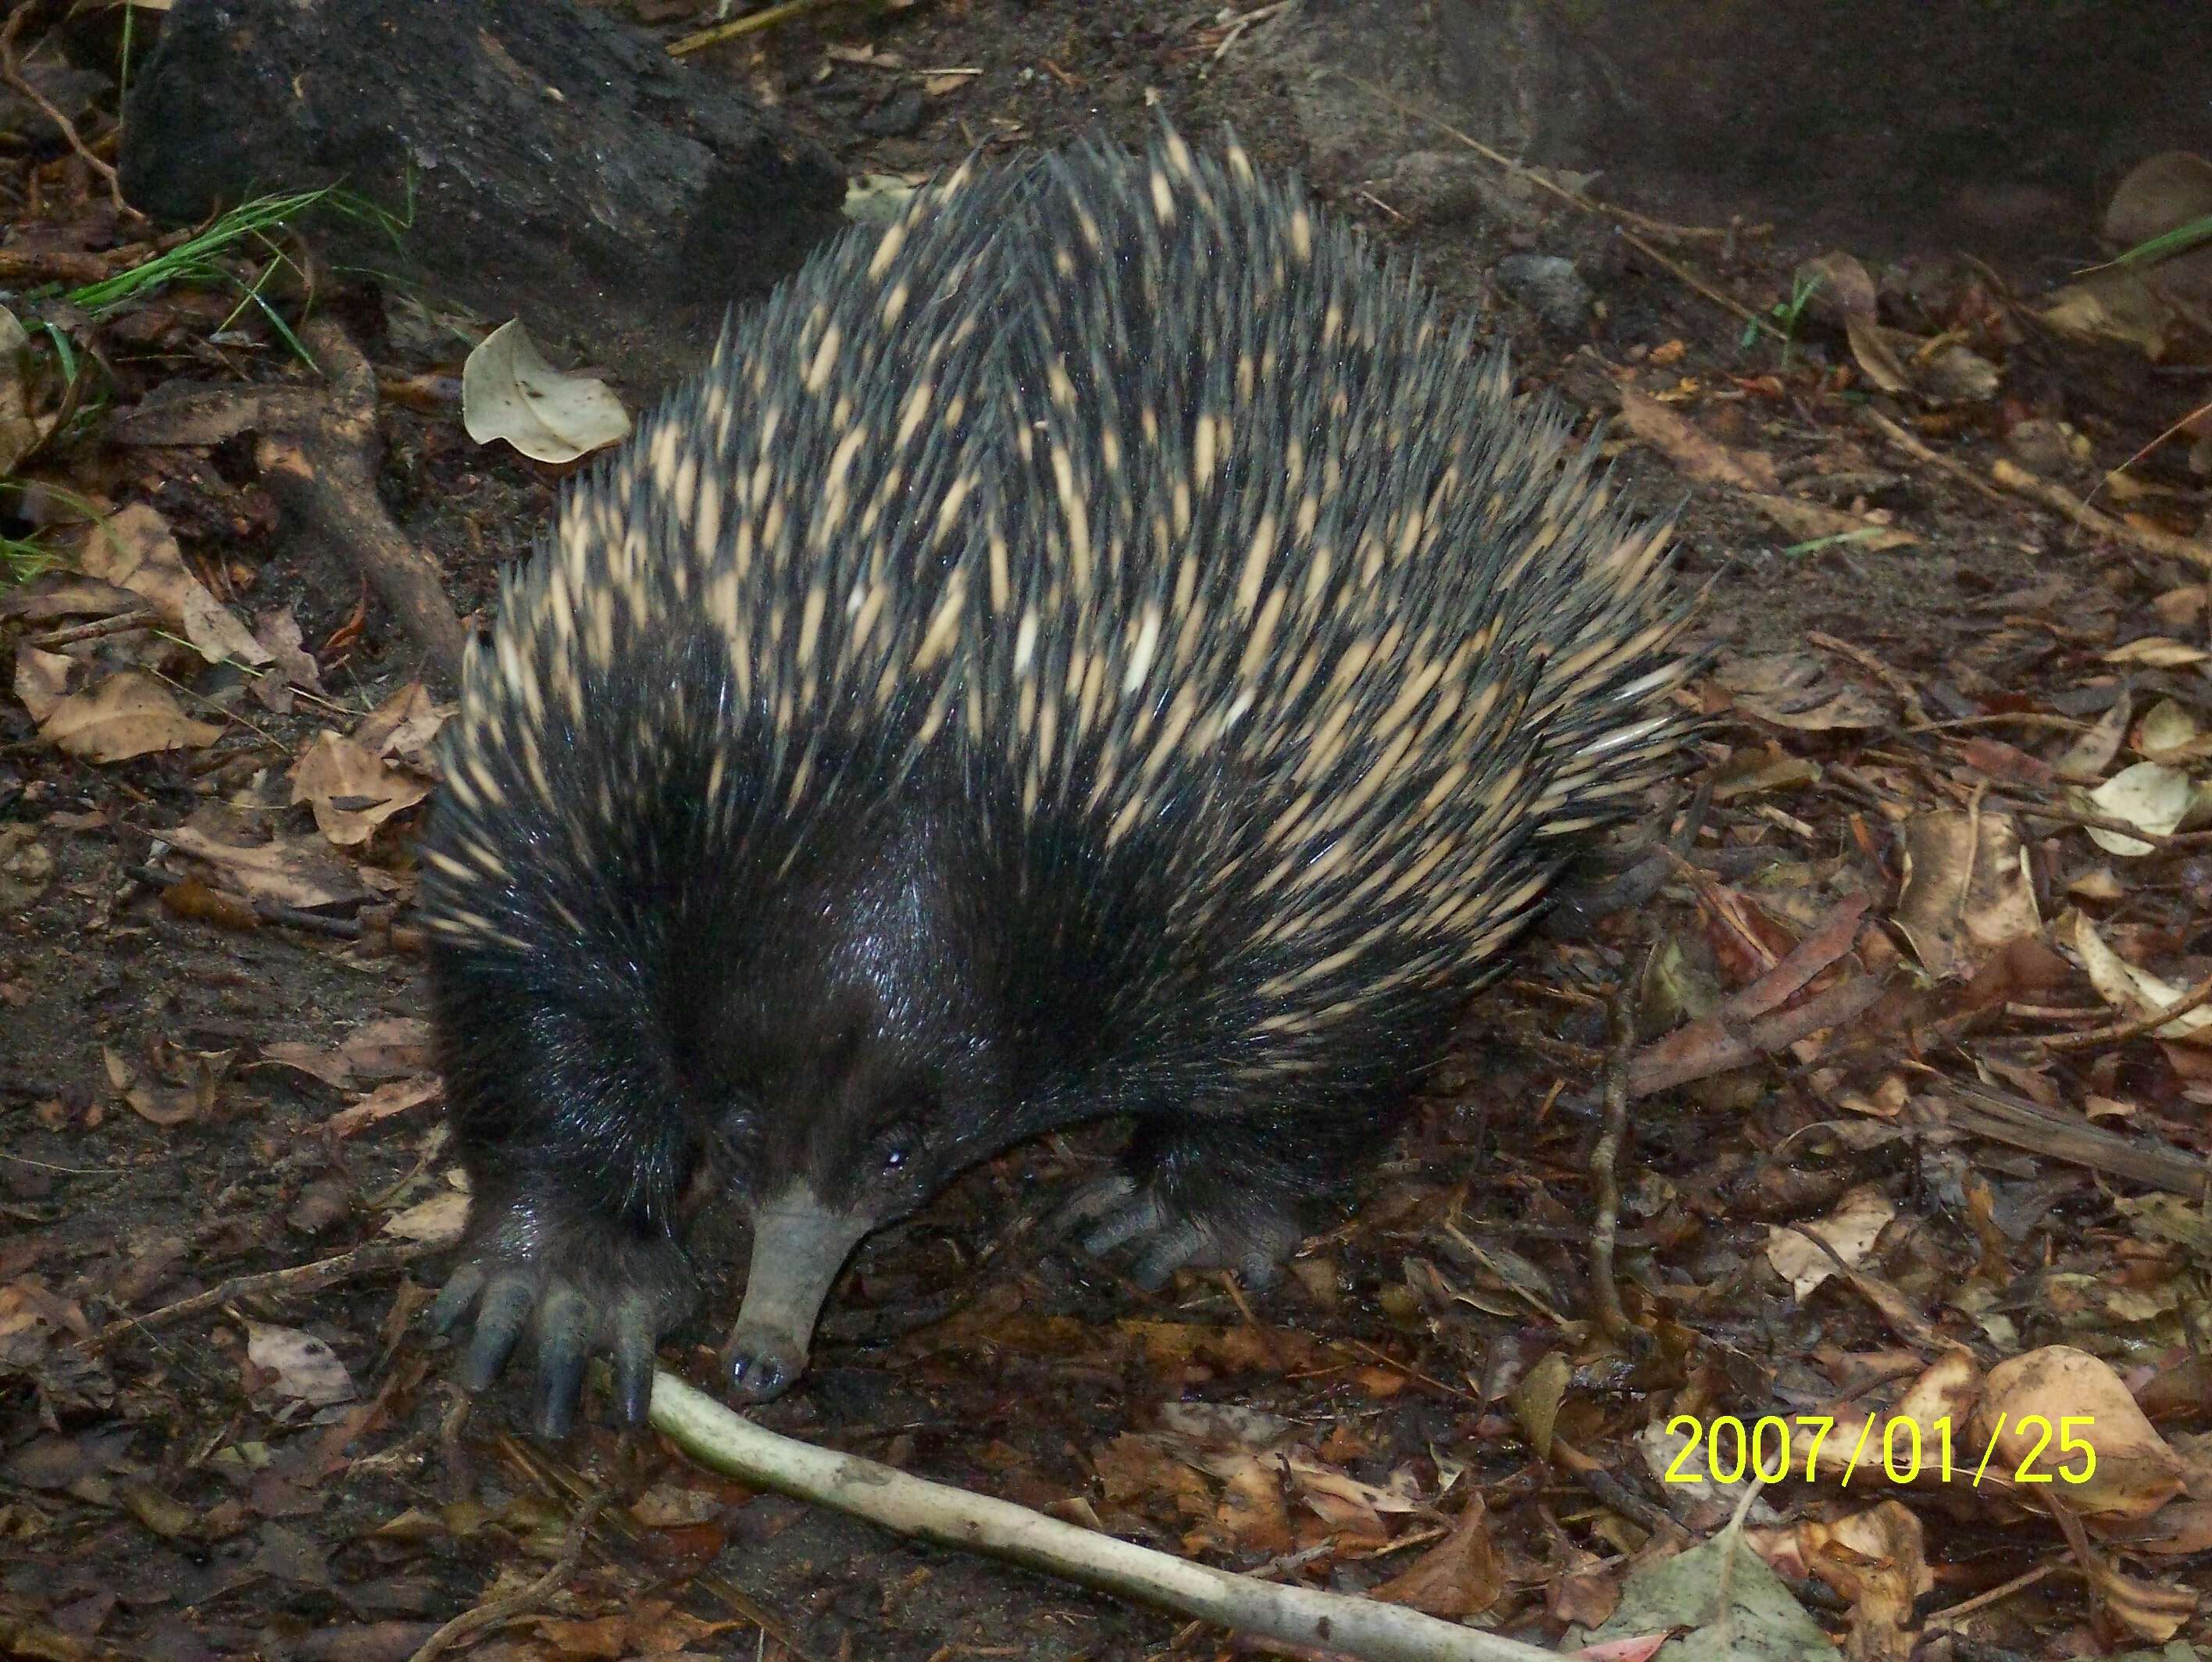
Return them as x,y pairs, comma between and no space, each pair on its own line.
897,115
553,163
1551,288
1439,186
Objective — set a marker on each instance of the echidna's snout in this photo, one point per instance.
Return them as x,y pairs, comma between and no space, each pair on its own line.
799,1246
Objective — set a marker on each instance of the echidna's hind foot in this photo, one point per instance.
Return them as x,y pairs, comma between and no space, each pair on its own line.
1207,1192
578,1286
1120,1210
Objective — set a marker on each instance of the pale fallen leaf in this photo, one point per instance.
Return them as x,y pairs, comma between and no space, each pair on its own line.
133,549
351,790
2089,754
26,869
1968,888
1878,1561
306,1368
2150,795
876,198
1704,460
1681,1596
2158,652
294,871
2064,1413
440,1219
2135,992
509,392
129,714
41,680
1851,1229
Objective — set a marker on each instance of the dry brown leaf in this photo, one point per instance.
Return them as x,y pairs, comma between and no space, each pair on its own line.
2062,1415
1878,1560
1703,459
1967,889
2135,992
60,595
404,727
133,550
287,870
1877,359
41,680
2088,756
1458,1577
443,1218
350,789
2158,652
291,666
1815,522
1253,1513
1851,1229
1799,691
129,714
382,1103
2150,1609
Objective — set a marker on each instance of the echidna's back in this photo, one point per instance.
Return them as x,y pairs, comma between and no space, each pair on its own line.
1309,629
747,619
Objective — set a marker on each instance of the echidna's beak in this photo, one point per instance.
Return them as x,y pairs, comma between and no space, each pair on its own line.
799,1246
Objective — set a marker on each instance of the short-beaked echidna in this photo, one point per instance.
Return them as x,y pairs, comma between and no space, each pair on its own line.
1099,647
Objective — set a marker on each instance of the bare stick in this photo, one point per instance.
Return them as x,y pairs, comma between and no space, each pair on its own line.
523,1600
365,1258
1364,1629
1605,1290
2036,489
2121,1032
11,71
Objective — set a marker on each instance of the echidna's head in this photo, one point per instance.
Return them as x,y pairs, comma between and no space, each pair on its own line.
847,1070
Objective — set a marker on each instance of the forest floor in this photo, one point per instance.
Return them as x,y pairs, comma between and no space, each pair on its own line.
1901,1154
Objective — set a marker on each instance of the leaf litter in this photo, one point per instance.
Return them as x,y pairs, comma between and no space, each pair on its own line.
1916,1096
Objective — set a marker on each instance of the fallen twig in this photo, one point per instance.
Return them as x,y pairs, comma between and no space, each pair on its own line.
2120,1032
366,1259
2036,489
618,1528
1920,451
699,40
1605,1290
11,71
188,897
717,1437
2001,1117
99,628
522,1600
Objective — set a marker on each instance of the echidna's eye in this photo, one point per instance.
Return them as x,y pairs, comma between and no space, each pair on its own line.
896,1146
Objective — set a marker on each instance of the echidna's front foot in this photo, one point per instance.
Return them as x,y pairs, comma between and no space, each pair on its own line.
1175,1232
578,1288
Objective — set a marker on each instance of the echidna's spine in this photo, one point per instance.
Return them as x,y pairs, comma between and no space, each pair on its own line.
1313,631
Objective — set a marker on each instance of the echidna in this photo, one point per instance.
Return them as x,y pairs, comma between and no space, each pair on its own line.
1100,647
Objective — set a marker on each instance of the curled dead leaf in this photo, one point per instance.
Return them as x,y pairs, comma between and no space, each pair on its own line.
509,392
2134,991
